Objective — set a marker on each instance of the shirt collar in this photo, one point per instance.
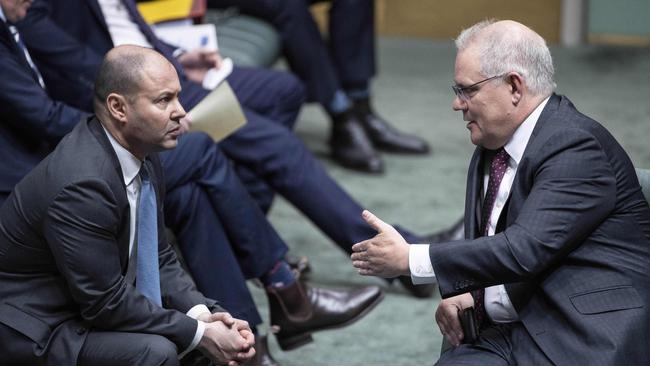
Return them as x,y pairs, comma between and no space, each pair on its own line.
517,143
128,162
2,15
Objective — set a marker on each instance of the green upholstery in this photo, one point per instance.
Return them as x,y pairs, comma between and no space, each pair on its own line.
644,180
248,41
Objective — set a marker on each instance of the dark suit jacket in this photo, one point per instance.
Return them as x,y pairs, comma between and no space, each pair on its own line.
31,122
69,38
573,246
64,242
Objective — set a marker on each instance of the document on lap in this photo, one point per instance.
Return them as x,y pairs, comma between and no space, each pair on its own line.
219,114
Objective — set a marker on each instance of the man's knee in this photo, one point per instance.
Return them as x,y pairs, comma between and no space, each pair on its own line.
159,351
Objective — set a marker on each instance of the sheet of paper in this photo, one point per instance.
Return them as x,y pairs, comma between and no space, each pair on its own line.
188,36
214,77
218,114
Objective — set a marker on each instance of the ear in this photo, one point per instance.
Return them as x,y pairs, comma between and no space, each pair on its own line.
116,105
516,83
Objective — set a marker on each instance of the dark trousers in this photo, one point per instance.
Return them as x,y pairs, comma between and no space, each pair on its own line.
346,59
498,345
268,150
224,236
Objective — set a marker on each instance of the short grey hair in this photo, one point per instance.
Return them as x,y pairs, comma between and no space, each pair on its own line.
502,52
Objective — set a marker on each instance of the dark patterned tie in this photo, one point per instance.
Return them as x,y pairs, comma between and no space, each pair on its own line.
497,170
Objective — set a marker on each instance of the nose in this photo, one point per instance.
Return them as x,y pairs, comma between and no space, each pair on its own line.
178,112
458,104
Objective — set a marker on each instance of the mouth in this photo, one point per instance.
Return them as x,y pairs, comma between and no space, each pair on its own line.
175,132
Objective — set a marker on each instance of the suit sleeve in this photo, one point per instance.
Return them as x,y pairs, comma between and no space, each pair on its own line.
573,192
81,227
26,107
68,66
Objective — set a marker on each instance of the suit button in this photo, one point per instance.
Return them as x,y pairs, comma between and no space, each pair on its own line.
81,330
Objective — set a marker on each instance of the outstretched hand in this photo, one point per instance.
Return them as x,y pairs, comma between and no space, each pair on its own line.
384,255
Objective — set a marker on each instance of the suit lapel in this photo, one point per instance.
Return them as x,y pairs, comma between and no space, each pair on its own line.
96,129
473,199
96,10
520,292
10,41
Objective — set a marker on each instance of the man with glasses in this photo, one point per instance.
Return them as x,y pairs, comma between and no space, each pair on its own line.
557,231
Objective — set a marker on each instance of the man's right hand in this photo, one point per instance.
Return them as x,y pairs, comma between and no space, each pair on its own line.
447,316
225,345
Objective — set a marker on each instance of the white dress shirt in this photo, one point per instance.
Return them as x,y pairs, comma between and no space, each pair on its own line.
497,303
130,166
121,27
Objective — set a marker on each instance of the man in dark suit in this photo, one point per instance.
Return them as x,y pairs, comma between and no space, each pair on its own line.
87,276
557,229
43,126
337,74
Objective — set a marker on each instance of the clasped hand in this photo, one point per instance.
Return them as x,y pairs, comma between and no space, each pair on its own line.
384,255
226,340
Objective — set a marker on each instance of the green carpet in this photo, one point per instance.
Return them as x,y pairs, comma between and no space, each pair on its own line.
425,194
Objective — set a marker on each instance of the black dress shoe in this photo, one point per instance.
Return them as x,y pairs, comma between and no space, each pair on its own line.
452,233
298,310
350,146
420,291
262,356
384,136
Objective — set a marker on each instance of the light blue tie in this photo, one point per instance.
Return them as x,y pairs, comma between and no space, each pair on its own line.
147,275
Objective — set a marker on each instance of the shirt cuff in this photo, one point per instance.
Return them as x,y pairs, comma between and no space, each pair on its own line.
193,313
197,310
420,264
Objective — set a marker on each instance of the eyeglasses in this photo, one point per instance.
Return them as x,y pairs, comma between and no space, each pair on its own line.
462,91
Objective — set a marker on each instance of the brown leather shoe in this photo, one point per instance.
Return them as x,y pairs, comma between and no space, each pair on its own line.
262,356
298,310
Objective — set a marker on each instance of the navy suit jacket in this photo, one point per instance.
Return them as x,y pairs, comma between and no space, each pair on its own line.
31,122
573,244
69,38
64,246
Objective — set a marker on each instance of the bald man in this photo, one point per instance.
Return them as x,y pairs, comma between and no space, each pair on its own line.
86,274
557,230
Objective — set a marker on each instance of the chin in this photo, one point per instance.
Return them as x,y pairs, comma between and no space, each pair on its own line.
170,144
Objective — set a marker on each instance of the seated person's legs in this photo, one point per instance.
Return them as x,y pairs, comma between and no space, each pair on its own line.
127,349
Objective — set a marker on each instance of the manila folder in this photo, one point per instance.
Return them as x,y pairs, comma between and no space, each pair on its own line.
218,114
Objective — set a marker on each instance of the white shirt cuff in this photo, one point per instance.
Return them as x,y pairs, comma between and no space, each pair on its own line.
420,264
197,310
193,313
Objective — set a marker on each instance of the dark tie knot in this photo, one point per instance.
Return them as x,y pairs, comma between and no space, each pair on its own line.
144,174
500,160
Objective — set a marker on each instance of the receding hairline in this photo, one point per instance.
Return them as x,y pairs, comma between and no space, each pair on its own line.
123,70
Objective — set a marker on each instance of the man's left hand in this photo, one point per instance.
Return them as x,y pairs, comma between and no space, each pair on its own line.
385,255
